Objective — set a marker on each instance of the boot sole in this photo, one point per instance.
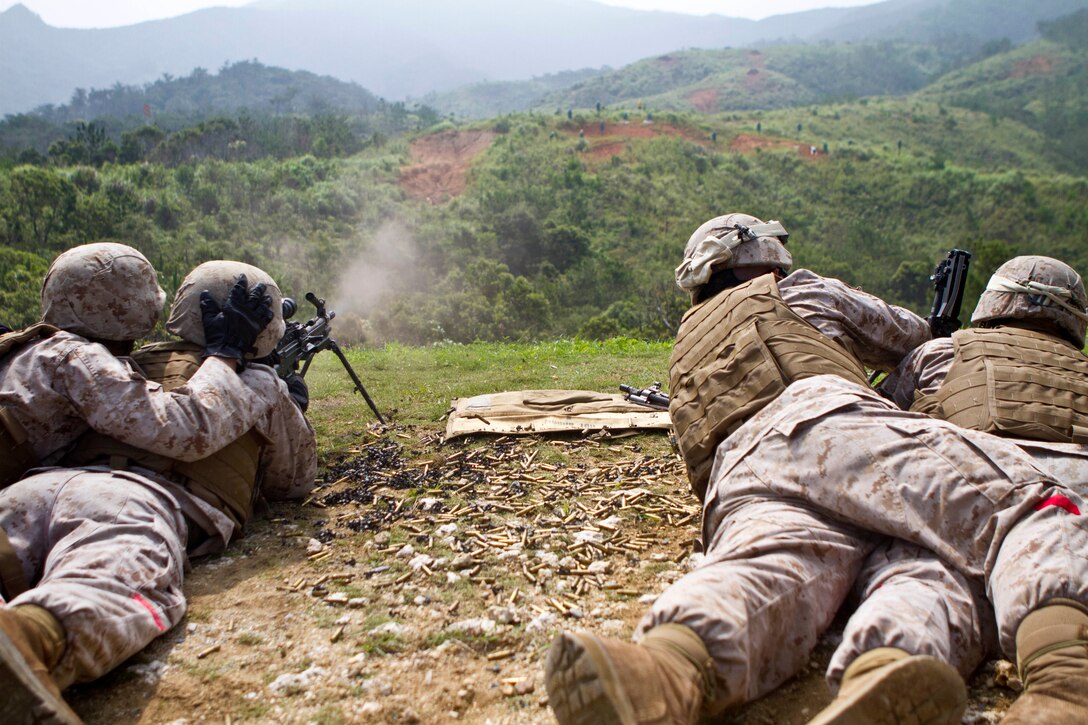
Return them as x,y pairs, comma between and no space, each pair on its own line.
583,688
914,691
26,701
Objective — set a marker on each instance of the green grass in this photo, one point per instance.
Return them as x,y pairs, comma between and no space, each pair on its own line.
414,386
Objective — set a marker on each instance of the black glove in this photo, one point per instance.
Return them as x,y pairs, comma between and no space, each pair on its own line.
231,330
296,386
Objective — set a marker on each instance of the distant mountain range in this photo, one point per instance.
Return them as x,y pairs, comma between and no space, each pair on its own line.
411,48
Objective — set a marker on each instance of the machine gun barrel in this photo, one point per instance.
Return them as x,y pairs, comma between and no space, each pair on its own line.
302,341
652,397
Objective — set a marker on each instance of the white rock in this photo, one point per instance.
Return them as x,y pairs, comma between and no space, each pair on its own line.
406,552
647,599
542,623
420,561
446,529
510,554
313,546
659,557
370,709
150,673
358,602
569,562
612,521
548,558
394,628
452,577
600,567
426,504
593,537
612,626
473,627
293,684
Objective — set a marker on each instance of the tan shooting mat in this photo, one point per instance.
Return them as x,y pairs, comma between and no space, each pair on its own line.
550,411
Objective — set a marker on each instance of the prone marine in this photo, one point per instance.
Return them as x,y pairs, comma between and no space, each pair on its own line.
803,470
116,477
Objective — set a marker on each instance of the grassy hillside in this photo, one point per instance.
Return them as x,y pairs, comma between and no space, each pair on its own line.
487,99
774,76
1041,85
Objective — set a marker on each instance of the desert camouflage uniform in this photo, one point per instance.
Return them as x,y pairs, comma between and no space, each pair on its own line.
777,567
963,621
801,493
104,551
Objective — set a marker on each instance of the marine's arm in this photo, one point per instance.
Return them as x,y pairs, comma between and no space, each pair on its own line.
922,371
289,461
882,333
187,424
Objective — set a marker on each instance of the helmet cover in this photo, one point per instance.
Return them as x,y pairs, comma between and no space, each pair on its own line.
105,291
218,277
1041,289
732,241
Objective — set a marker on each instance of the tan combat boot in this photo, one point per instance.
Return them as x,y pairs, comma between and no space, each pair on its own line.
1052,653
31,643
887,686
663,679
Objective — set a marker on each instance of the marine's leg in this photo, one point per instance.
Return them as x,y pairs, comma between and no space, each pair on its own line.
975,500
912,600
1038,587
773,578
105,555
919,621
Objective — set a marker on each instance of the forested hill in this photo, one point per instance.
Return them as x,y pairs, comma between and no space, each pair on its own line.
414,47
275,111
545,225
1042,85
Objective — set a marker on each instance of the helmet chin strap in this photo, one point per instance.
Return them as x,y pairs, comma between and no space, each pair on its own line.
1060,296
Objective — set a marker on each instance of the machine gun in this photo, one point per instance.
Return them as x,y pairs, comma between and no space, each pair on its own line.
302,341
651,397
948,284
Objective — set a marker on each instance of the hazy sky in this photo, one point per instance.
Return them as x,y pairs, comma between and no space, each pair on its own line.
107,13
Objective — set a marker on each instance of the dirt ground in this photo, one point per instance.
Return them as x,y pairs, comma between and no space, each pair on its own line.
439,168
422,582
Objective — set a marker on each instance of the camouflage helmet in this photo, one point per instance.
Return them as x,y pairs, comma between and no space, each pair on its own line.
218,277
105,291
1035,288
732,241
